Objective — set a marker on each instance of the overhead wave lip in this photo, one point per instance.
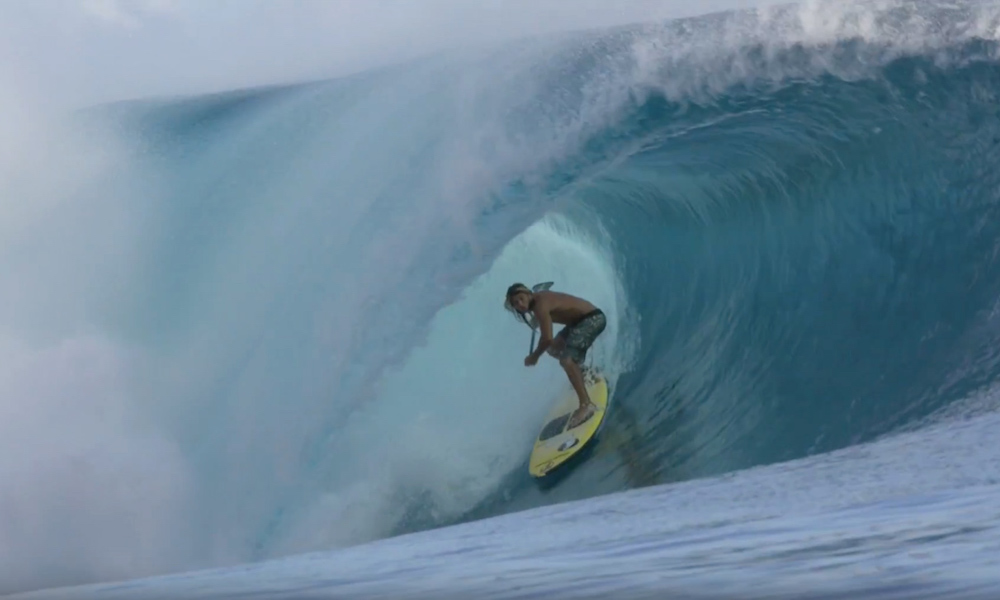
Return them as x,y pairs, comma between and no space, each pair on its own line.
841,38
553,98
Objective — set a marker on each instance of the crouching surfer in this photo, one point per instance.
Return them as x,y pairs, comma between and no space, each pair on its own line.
583,323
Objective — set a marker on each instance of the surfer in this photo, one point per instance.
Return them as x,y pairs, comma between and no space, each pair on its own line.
583,323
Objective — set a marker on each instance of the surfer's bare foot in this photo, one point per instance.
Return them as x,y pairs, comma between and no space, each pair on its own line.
581,415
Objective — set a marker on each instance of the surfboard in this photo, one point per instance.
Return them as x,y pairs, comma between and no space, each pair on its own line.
555,443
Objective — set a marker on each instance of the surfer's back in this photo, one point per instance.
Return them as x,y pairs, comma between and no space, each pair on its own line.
563,308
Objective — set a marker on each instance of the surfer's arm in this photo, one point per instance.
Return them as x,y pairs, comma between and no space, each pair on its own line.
545,326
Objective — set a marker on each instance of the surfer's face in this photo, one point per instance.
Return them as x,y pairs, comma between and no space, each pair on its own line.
520,301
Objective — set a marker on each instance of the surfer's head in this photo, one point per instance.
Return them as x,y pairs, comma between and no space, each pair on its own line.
518,299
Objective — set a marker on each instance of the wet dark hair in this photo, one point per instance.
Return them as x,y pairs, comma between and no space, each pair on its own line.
515,289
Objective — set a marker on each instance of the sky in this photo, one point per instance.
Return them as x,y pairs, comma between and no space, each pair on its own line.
79,52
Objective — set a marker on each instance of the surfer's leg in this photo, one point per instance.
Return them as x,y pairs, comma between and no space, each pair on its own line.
558,346
579,338
576,378
582,335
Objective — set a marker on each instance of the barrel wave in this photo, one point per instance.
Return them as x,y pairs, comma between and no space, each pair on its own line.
790,217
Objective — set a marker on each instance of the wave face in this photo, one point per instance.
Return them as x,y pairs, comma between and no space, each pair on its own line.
814,262
790,216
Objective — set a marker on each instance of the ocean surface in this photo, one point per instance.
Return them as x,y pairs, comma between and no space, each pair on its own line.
253,343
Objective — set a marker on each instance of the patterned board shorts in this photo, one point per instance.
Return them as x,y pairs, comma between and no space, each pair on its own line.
581,335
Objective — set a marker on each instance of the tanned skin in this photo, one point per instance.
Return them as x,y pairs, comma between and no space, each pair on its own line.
556,307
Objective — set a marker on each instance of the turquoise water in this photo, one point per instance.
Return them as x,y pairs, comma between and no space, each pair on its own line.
268,322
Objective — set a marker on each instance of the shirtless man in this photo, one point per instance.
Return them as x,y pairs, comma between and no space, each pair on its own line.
583,323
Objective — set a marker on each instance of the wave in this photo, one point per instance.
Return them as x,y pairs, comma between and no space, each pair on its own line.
788,212
823,259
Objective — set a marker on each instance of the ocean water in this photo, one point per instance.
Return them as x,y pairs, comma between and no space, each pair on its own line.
254,341
911,516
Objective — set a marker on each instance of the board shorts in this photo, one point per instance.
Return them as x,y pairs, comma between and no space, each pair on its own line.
581,335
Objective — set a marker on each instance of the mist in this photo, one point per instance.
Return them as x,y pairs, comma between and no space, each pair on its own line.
92,51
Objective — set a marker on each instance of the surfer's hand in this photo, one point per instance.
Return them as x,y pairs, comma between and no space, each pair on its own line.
530,360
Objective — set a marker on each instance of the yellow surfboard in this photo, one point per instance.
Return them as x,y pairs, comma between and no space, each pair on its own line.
556,444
